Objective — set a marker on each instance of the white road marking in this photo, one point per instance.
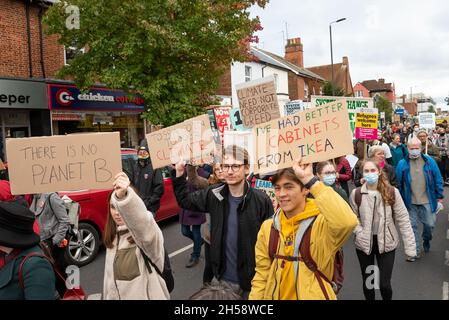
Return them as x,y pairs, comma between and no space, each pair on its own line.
95,296
447,258
445,290
171,255
447,235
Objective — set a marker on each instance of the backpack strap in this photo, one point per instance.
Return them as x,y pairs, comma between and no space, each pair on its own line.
304,249
273,242
36,254
358,198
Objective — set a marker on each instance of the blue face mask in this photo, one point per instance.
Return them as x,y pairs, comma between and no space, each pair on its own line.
414,154
372,178
329,179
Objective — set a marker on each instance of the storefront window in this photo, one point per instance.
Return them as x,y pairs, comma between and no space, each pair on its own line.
129,124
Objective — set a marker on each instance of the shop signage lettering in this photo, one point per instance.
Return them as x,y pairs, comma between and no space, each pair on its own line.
71,162
316,135
23,94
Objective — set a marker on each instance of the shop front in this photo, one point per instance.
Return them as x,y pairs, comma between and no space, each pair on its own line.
23,110
99,110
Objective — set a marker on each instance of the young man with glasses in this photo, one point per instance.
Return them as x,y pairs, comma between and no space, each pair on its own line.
237,211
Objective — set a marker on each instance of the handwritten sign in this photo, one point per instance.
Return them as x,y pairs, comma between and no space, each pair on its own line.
366,124
236,120
351,103
222,118
72,162
427,120
315,134
292,107
190,140
258,101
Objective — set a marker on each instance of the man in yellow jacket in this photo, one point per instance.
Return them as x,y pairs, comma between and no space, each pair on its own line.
283,278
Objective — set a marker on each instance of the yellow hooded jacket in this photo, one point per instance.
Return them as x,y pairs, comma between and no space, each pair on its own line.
275,279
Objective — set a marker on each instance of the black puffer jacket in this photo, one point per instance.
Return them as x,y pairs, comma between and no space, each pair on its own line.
255,208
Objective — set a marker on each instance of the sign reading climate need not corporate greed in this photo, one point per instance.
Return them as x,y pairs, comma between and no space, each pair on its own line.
71,162
366,123
66,97
351,103
315,134
258,101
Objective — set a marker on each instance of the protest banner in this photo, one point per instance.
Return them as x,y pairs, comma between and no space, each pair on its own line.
366,123
293,106
236,120
191,140
352,105
223,120
71,162
267,187
316,134
427,120
258,101
396,118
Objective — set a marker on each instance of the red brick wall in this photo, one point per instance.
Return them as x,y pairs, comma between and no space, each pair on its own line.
14,43
360,87
295,87
225,88
314,87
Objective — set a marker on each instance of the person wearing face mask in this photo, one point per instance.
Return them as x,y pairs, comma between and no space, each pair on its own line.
428,146
376,153
421,186
397,149
442,144
148,182
380,210
414,133
325,171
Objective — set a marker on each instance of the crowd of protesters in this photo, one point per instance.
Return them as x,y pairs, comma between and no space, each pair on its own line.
252,249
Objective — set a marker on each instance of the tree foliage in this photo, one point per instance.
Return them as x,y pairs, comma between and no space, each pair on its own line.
172,52
431,109
327,90
384,105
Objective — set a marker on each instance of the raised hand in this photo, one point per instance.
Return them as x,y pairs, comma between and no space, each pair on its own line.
180,168
304,172
120,185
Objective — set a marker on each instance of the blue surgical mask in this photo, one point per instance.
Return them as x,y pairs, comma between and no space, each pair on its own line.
414,154
372,178
329,179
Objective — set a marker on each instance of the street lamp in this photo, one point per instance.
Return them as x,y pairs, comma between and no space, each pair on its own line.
332,55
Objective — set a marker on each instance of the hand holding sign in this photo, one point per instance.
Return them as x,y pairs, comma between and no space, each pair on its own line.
120,185
180,168
304,172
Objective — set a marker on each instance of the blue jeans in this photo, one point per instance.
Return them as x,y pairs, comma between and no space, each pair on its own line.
195,235
423,212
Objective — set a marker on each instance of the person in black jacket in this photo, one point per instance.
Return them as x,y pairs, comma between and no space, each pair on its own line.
149,183
236,211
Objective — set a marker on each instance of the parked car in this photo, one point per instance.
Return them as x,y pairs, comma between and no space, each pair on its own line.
94,210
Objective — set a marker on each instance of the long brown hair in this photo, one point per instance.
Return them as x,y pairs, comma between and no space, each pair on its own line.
384,187
110,230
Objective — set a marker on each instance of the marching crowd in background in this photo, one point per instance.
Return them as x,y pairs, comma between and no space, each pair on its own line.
252,250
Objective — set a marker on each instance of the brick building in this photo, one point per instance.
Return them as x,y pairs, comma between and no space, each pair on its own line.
379,87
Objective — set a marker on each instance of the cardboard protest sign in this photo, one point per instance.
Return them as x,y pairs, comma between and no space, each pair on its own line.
351,103
397,118
258,101
191,140
366,124
236,120
316,134
427,120
71,162
267,187
223,120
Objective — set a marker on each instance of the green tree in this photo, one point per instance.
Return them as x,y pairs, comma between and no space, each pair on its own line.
172,52
447,100
327,90
384,105
431,109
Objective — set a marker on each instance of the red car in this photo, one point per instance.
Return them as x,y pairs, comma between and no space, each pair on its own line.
94,210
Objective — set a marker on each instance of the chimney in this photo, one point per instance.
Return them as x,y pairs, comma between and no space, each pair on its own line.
294,52
381,81
345,61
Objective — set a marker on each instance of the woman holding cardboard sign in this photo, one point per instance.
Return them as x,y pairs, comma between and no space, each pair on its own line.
133,241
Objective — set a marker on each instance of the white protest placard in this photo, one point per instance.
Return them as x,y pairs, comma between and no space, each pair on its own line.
315,134
258,101
71,162
427,120
293,106
191,140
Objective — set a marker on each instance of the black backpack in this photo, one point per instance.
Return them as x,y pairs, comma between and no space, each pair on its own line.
166,274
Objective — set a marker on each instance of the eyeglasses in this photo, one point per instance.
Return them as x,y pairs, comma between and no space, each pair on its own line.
234,167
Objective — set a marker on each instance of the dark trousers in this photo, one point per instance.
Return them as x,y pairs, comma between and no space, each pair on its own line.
443,164
208,274
385,262
194,233
58,255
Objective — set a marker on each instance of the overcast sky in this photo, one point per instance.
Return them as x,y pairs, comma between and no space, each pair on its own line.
405,42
